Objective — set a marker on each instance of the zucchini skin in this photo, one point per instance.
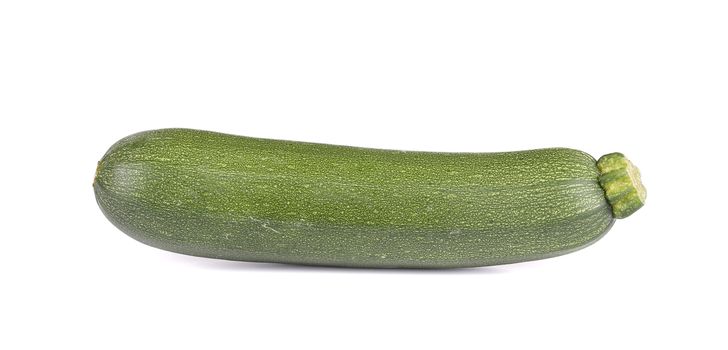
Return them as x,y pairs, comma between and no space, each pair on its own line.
241,198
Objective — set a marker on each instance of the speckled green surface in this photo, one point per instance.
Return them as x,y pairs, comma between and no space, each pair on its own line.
241,198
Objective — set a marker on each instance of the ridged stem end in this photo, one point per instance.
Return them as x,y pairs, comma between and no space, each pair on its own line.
622,185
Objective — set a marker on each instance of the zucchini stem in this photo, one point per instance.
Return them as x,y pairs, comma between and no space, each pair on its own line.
622,185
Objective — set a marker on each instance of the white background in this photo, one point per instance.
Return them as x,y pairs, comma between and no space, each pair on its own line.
646,78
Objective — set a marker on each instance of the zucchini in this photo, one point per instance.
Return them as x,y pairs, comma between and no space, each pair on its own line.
240,198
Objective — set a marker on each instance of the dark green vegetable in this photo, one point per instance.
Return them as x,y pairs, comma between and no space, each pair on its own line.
240,198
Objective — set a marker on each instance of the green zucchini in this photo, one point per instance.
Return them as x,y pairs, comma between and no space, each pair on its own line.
240,198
